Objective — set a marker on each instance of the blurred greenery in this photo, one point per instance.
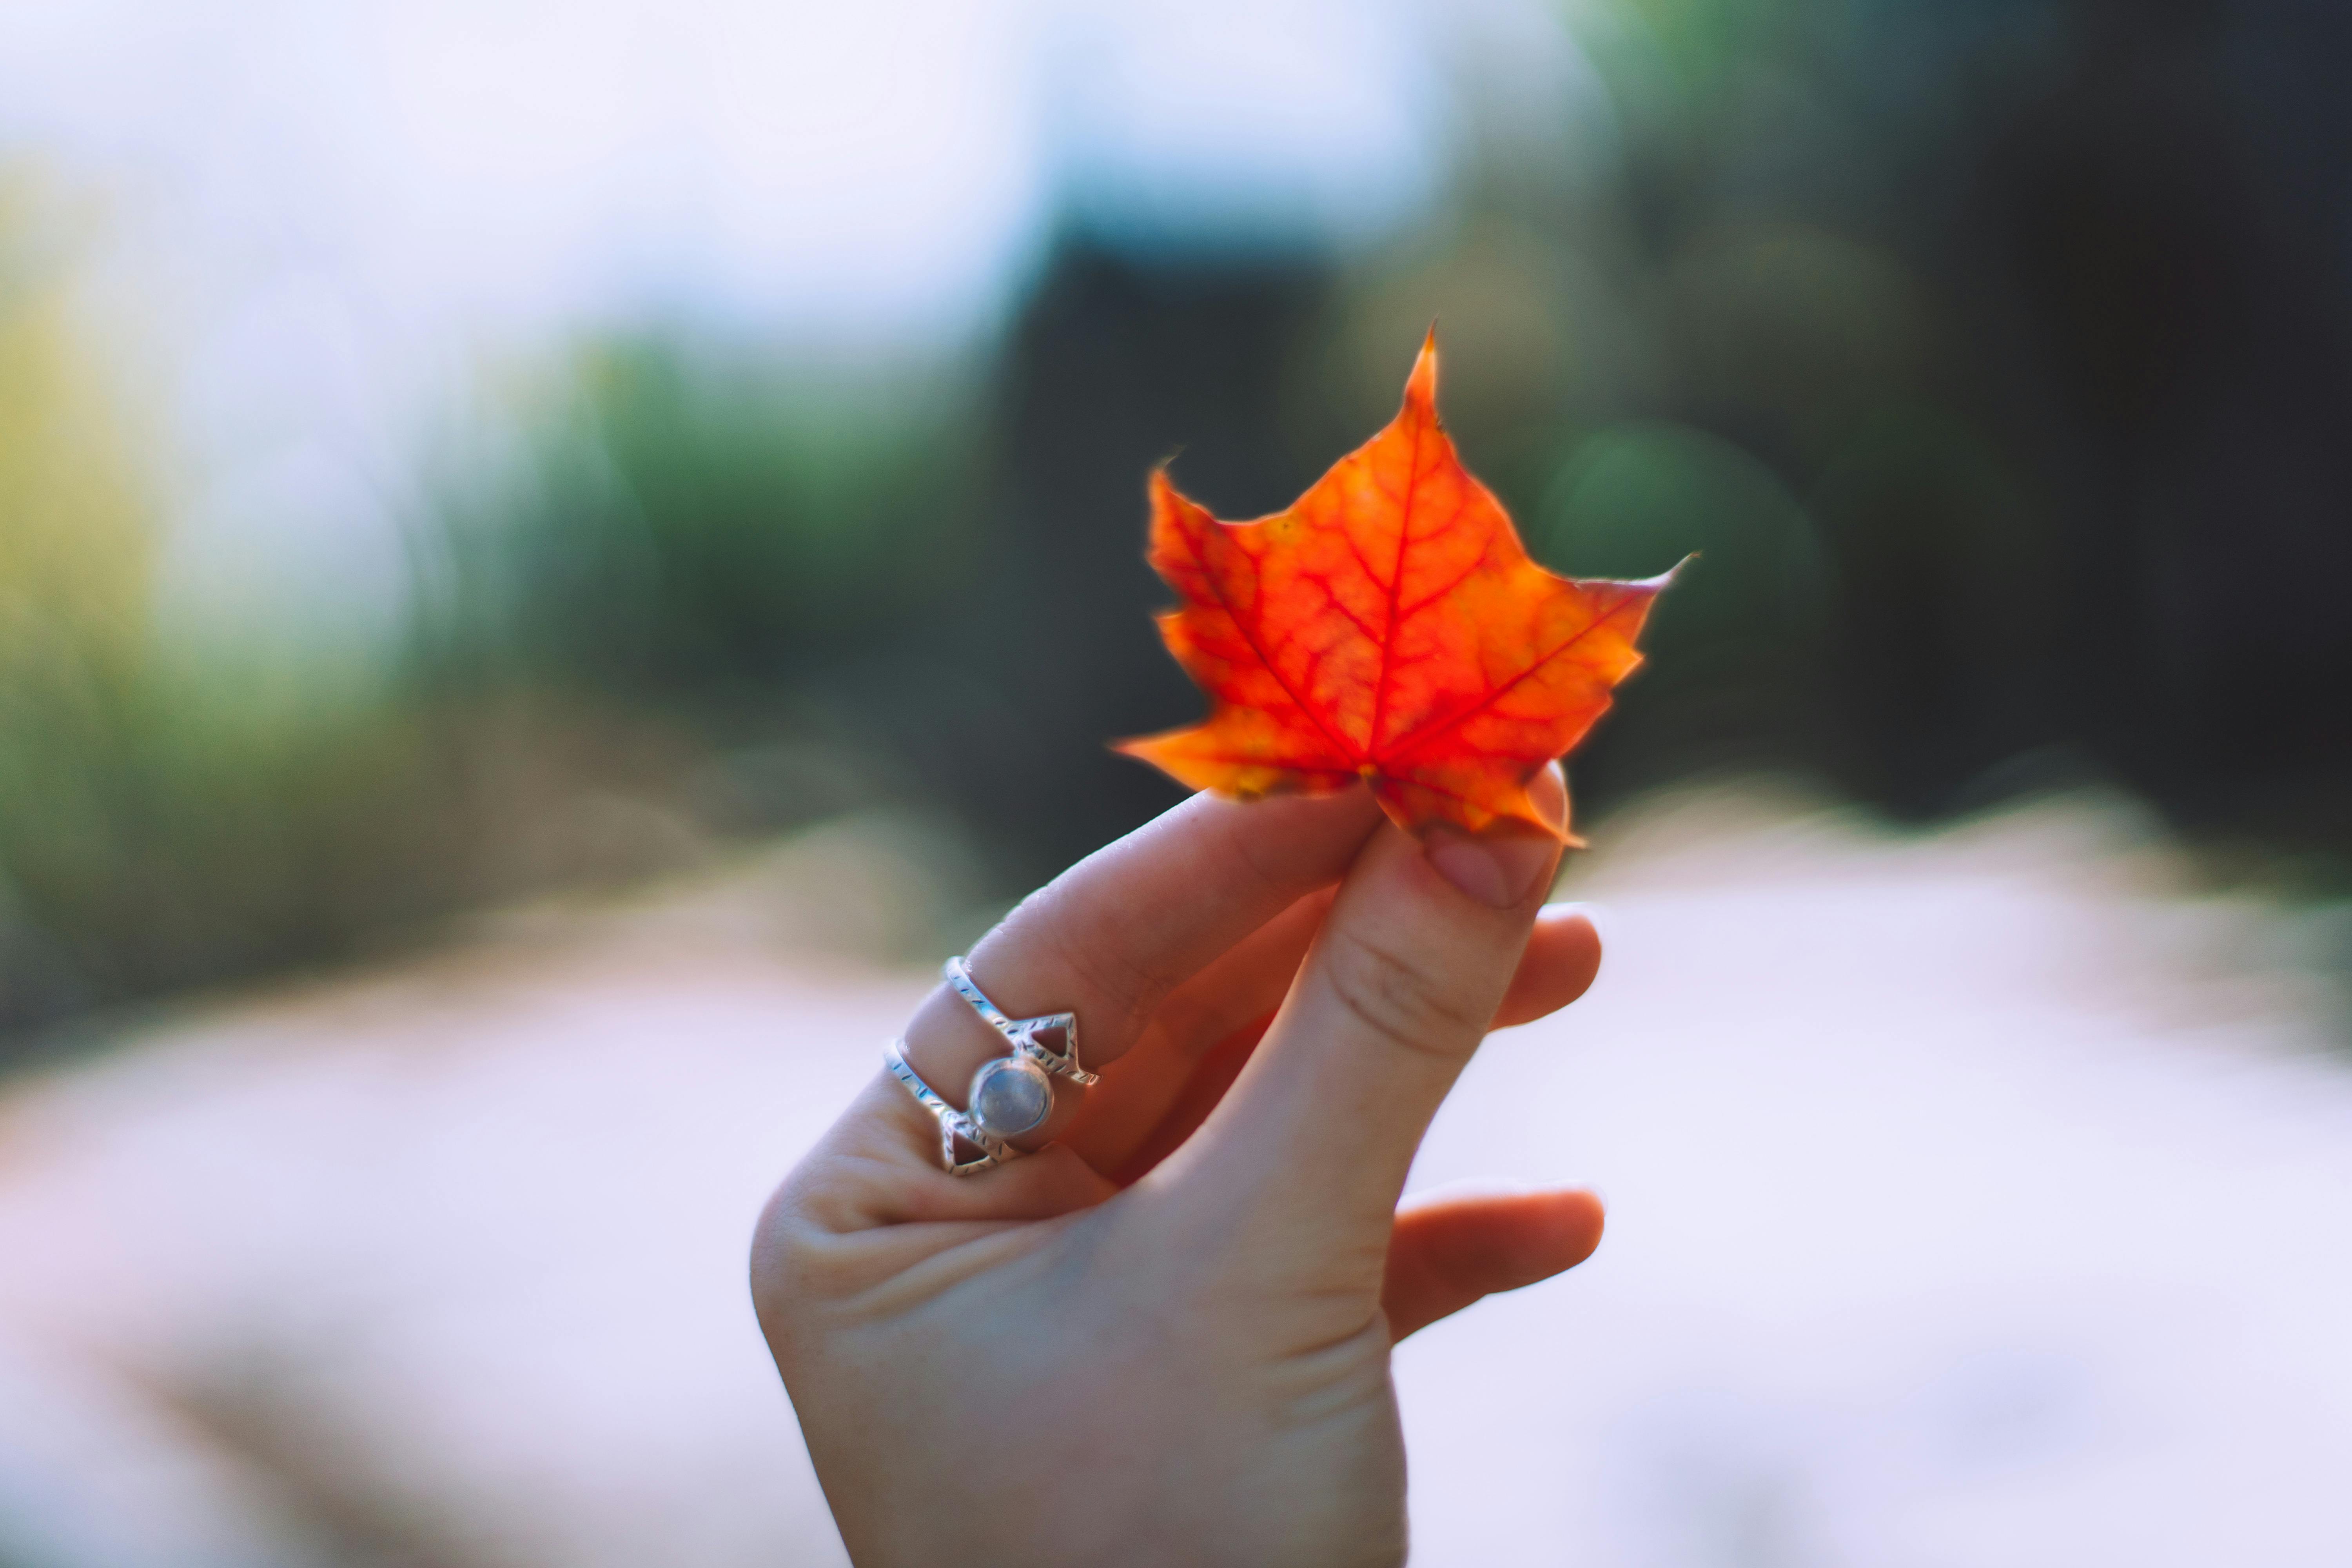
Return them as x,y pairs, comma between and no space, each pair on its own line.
625,640
702,526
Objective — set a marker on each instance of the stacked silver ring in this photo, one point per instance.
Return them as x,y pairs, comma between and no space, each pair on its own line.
953,1123
1010,1095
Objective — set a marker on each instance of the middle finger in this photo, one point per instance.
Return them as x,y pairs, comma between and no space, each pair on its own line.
1153,1099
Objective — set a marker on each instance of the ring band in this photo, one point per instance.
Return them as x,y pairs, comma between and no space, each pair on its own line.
953,1123
1022,1033
1011,1095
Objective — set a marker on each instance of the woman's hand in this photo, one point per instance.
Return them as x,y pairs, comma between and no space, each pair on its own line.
1164,1337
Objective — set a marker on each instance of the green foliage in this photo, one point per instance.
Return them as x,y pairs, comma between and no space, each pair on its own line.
683,525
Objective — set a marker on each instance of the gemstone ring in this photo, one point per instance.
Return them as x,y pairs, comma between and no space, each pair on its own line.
1010,1095
1050,1039
955,1124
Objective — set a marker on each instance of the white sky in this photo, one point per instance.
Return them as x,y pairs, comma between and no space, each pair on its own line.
325,218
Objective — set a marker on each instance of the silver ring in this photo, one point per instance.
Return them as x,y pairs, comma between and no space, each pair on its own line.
953,1123
1023,1033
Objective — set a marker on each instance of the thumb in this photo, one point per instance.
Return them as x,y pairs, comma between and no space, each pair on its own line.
1401,984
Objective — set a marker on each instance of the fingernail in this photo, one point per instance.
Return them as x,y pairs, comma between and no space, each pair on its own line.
1499,870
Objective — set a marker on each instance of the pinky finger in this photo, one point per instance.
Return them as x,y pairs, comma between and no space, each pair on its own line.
1447,1253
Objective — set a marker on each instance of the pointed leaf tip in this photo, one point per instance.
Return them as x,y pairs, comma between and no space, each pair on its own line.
1666,578
1421,386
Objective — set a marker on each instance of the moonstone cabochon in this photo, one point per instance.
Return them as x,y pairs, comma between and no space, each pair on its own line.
1011,1095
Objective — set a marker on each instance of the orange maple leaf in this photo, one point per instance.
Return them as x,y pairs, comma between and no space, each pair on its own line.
1390,628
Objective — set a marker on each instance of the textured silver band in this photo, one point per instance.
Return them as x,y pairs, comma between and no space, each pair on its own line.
1022,1032
953,1123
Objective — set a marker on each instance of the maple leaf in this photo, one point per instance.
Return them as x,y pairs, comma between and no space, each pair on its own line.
1389,626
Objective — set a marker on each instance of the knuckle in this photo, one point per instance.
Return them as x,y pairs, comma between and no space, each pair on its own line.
797,1254
778,1277
1107,971
1246,850
1400,997
803,1270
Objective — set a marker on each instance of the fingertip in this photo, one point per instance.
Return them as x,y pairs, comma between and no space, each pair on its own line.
1497,868
1572,939
1534,1236
1567,1223
1574,928
1561,961
1595,916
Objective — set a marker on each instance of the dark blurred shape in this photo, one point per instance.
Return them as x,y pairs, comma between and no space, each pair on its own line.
2170,215
2040,312
1734,647
1118,362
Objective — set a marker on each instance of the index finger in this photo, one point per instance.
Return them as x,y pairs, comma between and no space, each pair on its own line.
1109,938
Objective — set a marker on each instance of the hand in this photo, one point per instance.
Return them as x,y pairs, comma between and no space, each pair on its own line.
1164,1337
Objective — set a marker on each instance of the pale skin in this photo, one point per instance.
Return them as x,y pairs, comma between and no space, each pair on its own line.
1098,1354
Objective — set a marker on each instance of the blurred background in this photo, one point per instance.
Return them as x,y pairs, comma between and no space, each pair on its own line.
553,560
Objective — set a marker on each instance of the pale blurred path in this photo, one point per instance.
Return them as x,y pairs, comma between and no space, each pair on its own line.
1979,1199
